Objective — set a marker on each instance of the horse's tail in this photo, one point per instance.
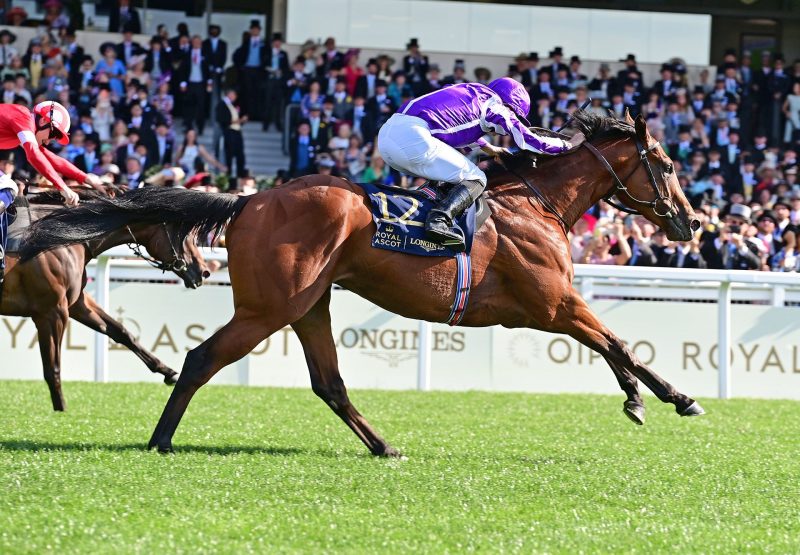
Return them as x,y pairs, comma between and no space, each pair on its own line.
192,211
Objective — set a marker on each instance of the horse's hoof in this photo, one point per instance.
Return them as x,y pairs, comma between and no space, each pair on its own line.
693,410
166,449
171,379
390,452
635,412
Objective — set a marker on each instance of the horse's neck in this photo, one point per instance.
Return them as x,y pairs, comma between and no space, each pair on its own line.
576,182
122,236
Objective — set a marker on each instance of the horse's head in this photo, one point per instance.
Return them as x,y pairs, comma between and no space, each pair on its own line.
174,254
653,188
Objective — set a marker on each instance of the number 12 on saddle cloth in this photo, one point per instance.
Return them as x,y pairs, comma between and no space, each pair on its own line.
399,215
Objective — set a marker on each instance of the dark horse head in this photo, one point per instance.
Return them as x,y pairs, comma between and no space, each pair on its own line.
166,222
648,184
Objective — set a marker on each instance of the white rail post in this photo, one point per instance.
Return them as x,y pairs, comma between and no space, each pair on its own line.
587,288
778,295
424,357
724,340
101,280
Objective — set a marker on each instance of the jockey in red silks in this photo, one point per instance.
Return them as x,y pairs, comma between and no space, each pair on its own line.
422,137
18,126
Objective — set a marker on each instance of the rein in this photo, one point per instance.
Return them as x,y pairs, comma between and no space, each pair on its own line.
176,265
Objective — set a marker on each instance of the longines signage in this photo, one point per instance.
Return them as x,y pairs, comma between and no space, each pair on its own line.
377,349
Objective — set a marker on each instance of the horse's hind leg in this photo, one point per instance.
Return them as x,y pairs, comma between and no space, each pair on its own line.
314,332
230,343
87,312
50,328
578,320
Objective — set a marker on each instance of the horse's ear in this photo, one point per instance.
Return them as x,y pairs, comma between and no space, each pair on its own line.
641,128
628,118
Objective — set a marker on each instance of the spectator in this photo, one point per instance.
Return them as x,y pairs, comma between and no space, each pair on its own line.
196,83
122,15
88,160
415,66
7,52
354,159
251,60
385,63
598,247
133,177
730,248
400,91
302,151
331,59
342,102
351,71
365,84
157,63
231,121
277,73
312,98
378,172
378,110
458,76
308,56
54,16
112,67
321,130
190,151
128,49
786,259
34,61
215,51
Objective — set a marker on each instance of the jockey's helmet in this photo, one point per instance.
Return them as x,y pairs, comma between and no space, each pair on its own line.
513,94
57,116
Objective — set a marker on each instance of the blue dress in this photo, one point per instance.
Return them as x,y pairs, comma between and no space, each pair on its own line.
115,71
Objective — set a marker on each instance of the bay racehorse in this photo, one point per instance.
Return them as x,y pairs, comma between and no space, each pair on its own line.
287,246
49,287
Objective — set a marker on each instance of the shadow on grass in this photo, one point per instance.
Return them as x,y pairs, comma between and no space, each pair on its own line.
36,446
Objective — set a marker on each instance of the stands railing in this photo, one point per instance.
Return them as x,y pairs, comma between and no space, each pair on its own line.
593,281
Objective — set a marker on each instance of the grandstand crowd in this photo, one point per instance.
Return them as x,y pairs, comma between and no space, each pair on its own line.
137,111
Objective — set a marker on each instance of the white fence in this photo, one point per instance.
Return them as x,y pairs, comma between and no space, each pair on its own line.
668,316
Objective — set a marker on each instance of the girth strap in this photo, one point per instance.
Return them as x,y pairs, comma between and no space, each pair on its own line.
463,284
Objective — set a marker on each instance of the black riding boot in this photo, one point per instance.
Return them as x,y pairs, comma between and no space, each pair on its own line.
439,224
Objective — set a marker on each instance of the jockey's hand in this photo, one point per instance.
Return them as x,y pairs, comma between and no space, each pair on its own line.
496,152
70,197
95,182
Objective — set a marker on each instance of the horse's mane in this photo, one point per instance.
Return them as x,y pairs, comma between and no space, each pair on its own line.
594,127
191,211
53,197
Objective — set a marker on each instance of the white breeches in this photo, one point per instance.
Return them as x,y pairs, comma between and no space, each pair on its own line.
406,144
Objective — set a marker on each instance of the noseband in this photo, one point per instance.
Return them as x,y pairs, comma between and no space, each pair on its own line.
662,205
177,264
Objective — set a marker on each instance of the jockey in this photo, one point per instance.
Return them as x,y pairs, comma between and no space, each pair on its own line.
18,126
422,137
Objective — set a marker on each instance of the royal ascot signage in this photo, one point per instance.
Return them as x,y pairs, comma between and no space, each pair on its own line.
377,349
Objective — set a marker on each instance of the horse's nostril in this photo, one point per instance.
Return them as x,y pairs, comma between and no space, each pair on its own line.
695,224
206,274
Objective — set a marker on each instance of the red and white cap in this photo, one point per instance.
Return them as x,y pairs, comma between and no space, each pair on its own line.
56,115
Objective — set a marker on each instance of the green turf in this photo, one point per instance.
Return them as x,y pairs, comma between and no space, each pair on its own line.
266,470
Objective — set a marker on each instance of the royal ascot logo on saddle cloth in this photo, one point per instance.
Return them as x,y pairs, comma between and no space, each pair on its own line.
399,216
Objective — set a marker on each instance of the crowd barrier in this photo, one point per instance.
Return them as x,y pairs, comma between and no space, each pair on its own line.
711,333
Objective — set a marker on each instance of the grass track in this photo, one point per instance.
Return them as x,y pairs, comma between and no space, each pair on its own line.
267,470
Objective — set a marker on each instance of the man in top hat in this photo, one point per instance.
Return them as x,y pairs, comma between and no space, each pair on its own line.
666,87
528,66
251,60
576,78
459,74
604,85
767,238
555,65
231,121
342,102
195,81
277,74
215,51
123,14
416,66
377,111
728,248
630,67
365,85
157,62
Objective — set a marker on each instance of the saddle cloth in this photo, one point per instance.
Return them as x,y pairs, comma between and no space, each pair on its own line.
399,215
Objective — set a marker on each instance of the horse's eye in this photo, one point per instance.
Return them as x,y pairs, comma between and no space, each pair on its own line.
669,169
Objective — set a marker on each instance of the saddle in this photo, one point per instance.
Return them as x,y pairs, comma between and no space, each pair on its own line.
20,218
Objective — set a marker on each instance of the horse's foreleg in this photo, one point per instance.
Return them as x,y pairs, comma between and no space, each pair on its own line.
634,405
87,312
577,319
50,328
314,332
230,343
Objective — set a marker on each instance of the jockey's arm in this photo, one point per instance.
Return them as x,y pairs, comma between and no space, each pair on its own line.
502,121
41,162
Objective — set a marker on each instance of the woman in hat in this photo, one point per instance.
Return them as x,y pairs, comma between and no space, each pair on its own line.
16,16
483,75
308,53
422,137
54,16
385,63
7,52
111,66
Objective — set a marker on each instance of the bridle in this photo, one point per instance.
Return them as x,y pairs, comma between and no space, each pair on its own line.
177,264
662,201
